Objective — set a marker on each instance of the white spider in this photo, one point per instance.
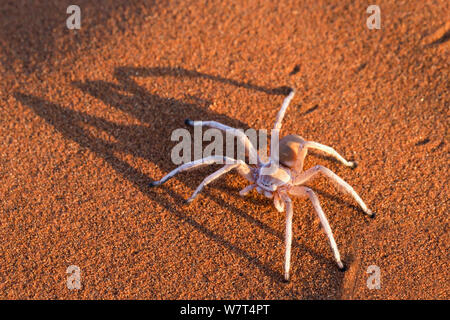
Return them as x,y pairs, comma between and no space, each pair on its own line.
279,177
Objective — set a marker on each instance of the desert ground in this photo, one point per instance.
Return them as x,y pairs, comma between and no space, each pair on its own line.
86,121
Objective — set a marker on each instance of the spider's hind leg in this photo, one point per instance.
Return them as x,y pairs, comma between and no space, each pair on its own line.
305,191
341,184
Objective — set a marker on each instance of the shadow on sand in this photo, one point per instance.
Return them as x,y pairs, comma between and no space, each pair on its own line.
164,115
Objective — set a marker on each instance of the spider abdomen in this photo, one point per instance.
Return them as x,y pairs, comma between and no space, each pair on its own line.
289,149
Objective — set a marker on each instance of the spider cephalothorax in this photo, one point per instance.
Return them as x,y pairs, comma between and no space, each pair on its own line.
279,177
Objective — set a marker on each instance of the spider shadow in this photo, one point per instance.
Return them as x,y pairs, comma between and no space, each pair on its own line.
43,16
161,116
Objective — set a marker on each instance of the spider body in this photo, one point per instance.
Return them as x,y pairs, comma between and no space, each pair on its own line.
272,181
279,178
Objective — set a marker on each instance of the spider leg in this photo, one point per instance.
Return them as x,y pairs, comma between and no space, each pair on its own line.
345,187
193,165
281,113
305,191
274,138
288,235
303,151
249,147
242,169
247,189
330,151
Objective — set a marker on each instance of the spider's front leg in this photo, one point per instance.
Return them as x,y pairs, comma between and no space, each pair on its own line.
189,166
247,189
242,167
240,135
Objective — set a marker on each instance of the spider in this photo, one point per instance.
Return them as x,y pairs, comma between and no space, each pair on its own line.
278,178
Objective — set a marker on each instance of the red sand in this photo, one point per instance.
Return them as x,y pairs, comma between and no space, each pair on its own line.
86,122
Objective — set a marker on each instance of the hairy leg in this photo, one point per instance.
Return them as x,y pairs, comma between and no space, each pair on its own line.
305,191
288,235
303,151
247,189
310,173
281,113
249,147
275,135
242,169
330,151
197,164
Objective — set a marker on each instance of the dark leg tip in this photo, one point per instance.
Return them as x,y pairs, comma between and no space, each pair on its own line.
354,164
188,122
286,280
153,184
343,269
370,213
